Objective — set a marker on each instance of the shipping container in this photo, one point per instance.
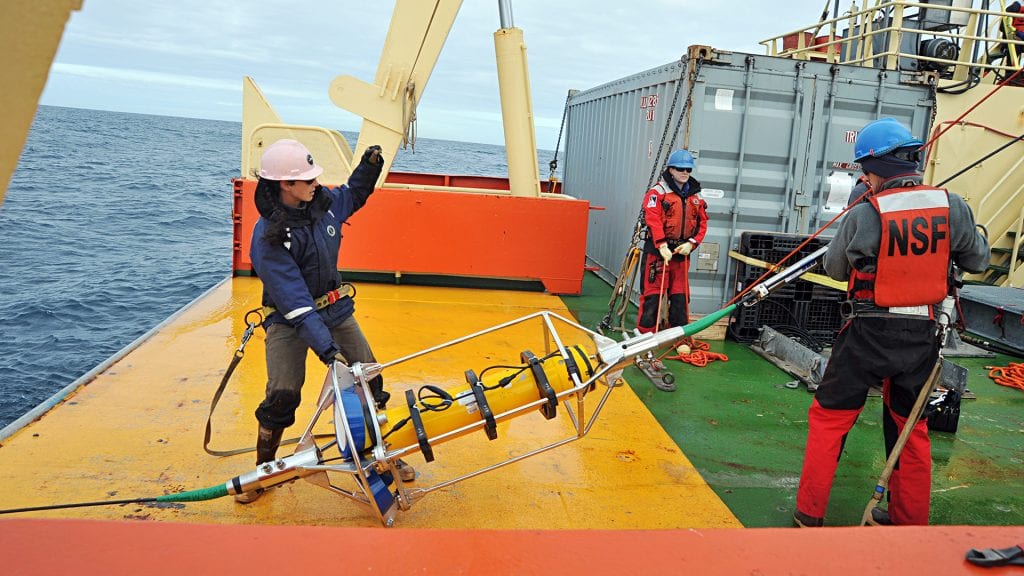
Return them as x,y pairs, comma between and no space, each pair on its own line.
773,138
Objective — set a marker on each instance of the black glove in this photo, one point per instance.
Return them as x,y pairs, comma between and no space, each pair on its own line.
373,156
331,356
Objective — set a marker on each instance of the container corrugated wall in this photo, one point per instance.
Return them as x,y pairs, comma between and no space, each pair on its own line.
773,138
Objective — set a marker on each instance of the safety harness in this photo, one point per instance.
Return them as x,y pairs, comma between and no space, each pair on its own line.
345,289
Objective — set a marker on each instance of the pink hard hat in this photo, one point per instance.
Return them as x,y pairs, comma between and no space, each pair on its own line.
288,160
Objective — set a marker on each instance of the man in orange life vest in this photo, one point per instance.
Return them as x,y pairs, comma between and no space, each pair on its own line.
895,251
677,221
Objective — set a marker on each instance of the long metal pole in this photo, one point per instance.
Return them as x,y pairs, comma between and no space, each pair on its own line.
516,106
505,13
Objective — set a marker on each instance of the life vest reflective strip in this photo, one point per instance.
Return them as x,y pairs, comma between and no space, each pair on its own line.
683,223
913,252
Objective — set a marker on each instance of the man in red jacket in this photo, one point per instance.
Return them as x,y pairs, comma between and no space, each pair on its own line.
677,221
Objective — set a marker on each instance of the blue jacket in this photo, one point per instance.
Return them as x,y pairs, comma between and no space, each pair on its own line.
306,266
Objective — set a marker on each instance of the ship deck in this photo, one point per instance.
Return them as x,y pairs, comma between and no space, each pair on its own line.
724,451
136,430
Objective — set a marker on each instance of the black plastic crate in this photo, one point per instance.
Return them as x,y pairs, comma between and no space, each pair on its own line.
800,307
772,248
823,316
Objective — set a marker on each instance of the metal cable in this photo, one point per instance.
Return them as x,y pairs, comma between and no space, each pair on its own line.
553,165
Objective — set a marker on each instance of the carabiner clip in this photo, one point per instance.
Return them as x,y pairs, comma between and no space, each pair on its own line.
246,336
249,330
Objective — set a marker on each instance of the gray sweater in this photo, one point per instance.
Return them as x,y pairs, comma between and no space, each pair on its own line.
860,233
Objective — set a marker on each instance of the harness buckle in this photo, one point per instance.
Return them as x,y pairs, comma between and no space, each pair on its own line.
846,310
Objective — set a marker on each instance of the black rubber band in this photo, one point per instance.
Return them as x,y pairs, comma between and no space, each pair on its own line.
490,426
573,369
549,410
586,361
417,424
369,426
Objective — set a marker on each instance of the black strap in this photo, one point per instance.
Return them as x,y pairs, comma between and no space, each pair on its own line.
490,426
239,354
417,424
236,358
571,367
1013,555
549,410
586,361
367,417
213,406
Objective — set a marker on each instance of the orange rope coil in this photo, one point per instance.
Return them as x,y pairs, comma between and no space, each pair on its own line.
1011,375
700,353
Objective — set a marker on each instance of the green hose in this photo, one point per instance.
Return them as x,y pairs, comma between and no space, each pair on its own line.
695,327
210,493
190,496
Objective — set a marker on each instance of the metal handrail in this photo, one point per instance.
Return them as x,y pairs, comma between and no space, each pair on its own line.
1015,275
863,20
1007,200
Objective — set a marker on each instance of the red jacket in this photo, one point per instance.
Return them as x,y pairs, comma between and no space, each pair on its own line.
674,219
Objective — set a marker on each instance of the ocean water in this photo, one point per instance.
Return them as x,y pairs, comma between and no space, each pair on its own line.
114,221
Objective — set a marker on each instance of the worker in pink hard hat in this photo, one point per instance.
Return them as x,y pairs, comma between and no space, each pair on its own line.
295,247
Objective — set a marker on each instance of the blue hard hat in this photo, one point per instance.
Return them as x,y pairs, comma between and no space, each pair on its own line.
681,159
881,137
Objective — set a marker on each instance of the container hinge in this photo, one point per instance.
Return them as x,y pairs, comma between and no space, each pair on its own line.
706,53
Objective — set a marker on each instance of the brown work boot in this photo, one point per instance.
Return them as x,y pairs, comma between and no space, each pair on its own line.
267,441
801,520
406,472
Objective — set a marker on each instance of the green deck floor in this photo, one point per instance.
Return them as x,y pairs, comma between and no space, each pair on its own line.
745,432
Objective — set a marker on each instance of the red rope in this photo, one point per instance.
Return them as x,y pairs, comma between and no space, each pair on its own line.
773,267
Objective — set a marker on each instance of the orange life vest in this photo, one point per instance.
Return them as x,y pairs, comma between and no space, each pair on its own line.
913,255
681,216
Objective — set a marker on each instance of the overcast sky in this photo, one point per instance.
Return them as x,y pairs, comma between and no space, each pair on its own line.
188,57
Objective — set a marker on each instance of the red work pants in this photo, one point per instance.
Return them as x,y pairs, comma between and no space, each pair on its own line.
899,354
676,287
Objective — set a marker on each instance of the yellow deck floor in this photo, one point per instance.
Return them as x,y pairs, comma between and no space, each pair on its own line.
136,430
